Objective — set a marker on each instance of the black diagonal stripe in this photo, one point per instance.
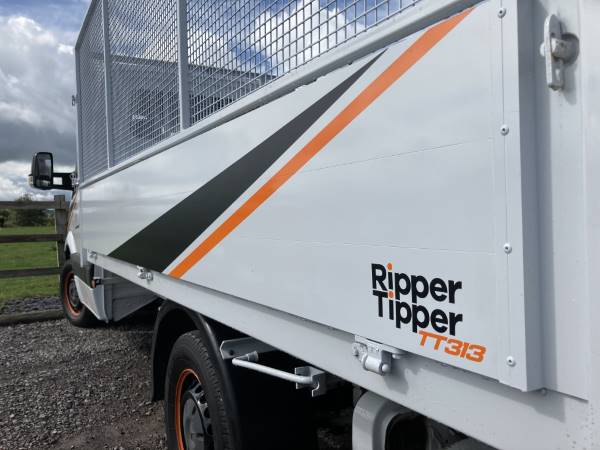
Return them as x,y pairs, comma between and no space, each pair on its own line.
157,245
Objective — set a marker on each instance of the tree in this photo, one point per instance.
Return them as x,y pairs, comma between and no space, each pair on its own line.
4,214
30,217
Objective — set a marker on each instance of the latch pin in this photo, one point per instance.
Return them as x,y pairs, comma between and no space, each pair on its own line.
558,49
375,356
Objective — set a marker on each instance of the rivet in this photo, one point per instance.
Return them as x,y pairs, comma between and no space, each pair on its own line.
504,130
501,12
507,248
511,361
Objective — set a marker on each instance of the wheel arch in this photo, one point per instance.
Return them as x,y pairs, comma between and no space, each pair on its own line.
70,246
172,321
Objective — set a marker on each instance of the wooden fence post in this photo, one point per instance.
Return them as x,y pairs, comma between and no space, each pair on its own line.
60,224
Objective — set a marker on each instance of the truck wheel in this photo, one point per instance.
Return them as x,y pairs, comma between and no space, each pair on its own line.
196,414
74,310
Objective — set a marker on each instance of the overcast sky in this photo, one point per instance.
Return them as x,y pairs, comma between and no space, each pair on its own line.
37,80
37,65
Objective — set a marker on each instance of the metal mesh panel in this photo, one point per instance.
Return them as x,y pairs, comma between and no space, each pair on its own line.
233,48
236,46
91,97
144,73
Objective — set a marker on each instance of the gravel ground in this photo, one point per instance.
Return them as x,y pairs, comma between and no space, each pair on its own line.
62,387
31,304
66,388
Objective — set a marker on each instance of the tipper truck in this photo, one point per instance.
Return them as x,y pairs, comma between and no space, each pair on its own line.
397,199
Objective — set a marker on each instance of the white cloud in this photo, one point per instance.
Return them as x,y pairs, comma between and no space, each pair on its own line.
36,83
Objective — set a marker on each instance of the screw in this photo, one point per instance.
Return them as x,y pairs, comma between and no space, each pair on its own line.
507,248
504,130
501,12
511,361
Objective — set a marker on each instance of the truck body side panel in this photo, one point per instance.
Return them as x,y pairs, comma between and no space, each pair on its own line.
452,217
406,185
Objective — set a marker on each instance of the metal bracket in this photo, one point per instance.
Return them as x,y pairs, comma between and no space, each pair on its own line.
317,377
74,179
238,347
98,281
375,356
238,350
144,274
558,49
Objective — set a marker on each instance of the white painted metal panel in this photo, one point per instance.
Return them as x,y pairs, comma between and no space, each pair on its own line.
424,187
420,193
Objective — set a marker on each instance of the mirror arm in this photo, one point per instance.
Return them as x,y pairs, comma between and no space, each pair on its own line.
66,181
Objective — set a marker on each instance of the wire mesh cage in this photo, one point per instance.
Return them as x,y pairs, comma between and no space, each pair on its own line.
144,73
252,42
92,110
173,63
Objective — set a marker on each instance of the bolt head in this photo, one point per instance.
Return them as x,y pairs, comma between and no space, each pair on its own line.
510,361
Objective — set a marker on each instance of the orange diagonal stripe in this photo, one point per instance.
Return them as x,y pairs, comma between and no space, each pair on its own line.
398,68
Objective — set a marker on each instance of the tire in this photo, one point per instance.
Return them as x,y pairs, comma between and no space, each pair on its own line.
246,410
195,399
74,310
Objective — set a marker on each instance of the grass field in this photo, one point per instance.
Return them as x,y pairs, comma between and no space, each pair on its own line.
27,255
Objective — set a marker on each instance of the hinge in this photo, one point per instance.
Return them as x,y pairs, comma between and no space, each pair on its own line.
375,356
559,48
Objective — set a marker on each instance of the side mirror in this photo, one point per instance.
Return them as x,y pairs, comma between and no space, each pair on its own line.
42,168
42,174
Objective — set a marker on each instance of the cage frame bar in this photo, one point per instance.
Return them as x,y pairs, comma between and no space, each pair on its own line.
107,86
183,67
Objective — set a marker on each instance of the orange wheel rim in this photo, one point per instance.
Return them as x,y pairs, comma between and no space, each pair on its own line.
183,376
67,296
